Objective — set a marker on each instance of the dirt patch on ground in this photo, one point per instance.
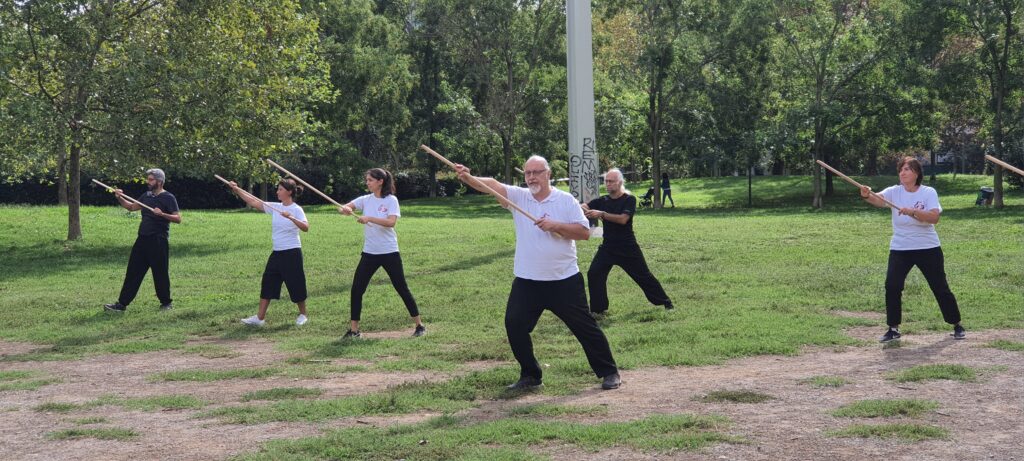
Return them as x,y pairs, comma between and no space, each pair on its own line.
985,419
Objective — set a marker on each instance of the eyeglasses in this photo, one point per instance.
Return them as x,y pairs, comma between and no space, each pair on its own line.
529,173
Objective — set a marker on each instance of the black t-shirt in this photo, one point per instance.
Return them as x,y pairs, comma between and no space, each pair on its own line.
151,224
617,235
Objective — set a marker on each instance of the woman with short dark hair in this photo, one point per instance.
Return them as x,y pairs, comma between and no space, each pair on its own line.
914,243
285,263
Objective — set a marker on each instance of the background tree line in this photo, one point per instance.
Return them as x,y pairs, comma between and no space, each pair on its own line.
106,88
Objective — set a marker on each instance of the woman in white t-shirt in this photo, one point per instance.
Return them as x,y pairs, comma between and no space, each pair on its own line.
285,262
380,246
914,243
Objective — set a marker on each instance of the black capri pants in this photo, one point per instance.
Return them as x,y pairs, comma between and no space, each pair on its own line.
368,265
284,266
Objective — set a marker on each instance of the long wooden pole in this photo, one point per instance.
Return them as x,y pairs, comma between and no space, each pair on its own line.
304,183
485,187
855,183
1004,165
111,189
228,183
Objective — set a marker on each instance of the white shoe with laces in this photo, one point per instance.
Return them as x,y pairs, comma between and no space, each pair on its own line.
253,321
301,320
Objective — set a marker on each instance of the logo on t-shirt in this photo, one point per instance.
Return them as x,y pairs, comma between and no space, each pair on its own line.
919,205
383,209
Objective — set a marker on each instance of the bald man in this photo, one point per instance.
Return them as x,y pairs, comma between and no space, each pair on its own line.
619,247
547,276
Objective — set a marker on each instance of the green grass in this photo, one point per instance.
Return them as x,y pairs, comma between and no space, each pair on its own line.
746,281
934,372
90,420
282,393
509,439
162,402
60,407
112,433
299,371
155,403
826,381
1007,345
886,408
17,380
446,396
551,410
735,396
901,431
14,375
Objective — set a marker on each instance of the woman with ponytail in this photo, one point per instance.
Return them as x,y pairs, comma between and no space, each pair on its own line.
285,263
380,246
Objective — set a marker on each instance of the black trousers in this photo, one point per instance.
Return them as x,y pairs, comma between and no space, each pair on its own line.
630,259
567,300
932,265
149,252
666,194
368,265
284,266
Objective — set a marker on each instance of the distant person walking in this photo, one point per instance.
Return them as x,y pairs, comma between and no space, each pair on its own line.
666,190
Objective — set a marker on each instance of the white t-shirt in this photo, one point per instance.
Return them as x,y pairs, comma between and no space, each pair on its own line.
909,233
378,240
284,232
540,255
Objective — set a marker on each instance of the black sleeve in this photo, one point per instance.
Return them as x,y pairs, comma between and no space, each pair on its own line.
594,204
630,205
171,204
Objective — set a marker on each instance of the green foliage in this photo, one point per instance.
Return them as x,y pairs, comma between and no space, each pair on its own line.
736,396
826,381
93,433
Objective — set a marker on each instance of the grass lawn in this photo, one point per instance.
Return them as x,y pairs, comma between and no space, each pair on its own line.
745,281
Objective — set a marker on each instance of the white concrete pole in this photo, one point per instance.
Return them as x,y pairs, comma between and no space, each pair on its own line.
583,164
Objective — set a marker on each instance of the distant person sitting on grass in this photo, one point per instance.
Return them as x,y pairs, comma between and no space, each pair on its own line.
914,243
666,190
285,262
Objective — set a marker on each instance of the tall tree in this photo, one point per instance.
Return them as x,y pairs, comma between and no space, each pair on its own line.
207,84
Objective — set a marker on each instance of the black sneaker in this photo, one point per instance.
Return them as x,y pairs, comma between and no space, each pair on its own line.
166,307
419,331
612,381
669,306
890,335
526,383
351,334
959,332
116,307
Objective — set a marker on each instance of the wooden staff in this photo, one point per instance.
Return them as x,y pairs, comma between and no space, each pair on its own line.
855,183
1004,165
304,183
520,171
111,189
228,183
504,201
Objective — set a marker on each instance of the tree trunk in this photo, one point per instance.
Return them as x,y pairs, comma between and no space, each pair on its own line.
62,179
654,125
506,150
819,133
74,191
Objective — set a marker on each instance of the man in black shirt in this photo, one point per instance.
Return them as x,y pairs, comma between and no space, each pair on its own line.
619,247
150,250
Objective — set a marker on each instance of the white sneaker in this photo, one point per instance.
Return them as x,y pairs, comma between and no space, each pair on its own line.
253,321
301,320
